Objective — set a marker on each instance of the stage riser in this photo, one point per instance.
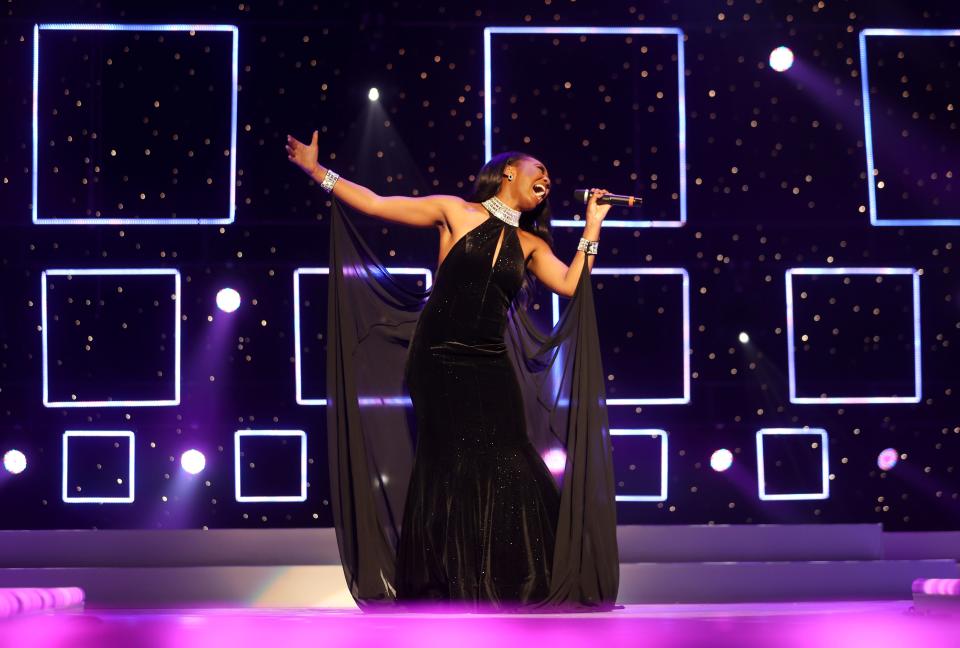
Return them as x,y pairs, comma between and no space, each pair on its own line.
659,564
323,585
675,543
776,581
168,548
175,587
750,543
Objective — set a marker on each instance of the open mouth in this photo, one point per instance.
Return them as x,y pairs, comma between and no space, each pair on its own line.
540,190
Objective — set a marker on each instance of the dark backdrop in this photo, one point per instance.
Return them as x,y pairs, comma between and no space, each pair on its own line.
137,126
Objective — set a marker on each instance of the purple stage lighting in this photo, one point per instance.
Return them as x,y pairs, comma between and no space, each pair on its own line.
887,459
15,462
556,460
228,300
721,459
193,461
781,59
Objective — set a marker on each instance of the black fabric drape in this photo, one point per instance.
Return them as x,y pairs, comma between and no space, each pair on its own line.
371,320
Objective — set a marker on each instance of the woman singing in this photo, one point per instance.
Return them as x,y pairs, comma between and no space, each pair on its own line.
483,522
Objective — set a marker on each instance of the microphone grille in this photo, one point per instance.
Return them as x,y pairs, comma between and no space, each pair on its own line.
581,195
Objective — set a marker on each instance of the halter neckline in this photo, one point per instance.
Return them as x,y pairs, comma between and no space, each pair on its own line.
498,209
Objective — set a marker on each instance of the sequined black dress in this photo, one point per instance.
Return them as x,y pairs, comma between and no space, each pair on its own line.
449,500
480,517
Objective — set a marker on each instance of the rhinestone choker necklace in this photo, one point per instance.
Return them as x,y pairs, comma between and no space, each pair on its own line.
508,215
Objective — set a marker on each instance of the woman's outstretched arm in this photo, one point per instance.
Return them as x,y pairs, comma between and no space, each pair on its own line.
425,211
554,273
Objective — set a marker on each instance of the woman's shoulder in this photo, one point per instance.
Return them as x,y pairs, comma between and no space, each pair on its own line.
530,239
460,211
531,244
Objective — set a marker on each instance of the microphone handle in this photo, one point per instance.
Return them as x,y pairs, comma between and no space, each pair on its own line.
582,195
621,201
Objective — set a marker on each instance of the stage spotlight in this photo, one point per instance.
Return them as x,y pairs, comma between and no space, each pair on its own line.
721,459
228,300
15,462
193,461
373,95
556,460
781,59
743,337
887,459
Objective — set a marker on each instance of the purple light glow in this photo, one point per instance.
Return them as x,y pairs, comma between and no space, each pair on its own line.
556,460
228,300
15,462
937,586
23,600
721,460
788,625
887,459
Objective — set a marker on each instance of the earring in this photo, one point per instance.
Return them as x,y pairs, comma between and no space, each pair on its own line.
510,177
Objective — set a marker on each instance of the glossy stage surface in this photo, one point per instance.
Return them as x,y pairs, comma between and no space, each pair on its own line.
785,625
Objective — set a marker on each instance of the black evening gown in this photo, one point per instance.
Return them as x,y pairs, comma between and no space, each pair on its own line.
444,496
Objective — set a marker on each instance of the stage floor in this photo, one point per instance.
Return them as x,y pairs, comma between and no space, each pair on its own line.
784,625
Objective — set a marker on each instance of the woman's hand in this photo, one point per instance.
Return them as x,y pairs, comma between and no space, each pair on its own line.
596,213
304,155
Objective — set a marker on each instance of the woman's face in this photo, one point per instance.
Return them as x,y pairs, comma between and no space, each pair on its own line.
531,183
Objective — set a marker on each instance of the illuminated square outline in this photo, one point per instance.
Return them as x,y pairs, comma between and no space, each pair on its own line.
824,465
297,360
127,434
664,454
302,497
112,272
677,400
868,126
681,107
791,344
231,208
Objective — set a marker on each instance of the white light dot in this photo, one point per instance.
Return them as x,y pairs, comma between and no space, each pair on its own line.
721,459
15,462
193,461
743,337
228,300
781,59
373,95
887,459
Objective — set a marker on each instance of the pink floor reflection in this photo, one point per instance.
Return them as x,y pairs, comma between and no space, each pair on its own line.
782,625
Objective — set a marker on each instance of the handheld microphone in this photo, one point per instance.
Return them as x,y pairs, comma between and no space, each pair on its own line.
583,195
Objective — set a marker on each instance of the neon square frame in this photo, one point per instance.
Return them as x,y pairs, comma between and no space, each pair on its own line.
237,486
297,359
677,400
488,32
108,273
664,454
824,465
120,434
791,345
231,209
868,126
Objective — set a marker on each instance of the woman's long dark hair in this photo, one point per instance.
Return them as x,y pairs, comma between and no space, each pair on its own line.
536,221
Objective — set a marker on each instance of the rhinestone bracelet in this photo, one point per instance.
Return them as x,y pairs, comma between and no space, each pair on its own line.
589,247
329,179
